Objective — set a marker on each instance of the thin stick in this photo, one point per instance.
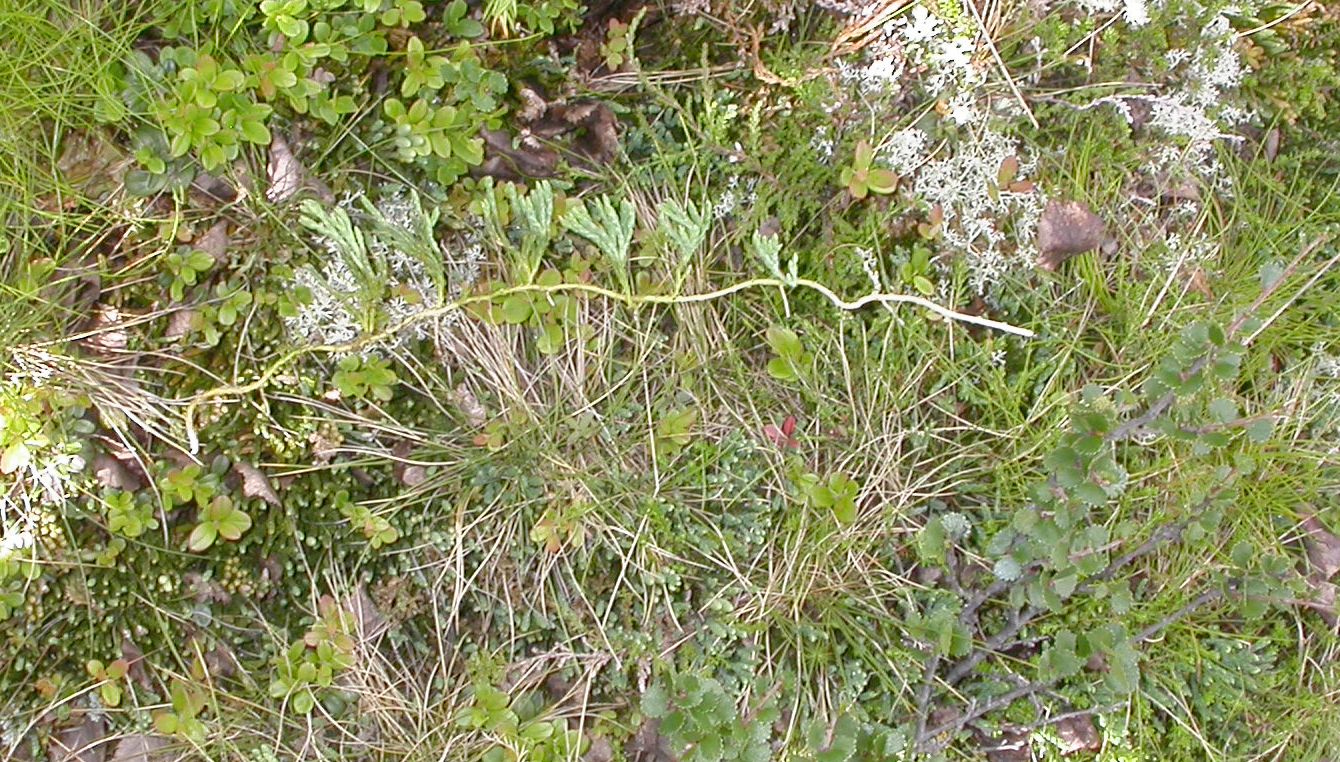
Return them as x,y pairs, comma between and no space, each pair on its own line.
631,300
1006,699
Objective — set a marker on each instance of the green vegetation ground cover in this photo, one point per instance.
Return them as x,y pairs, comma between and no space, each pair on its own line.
692,380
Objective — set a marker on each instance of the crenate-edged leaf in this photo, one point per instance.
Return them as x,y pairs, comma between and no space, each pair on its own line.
1090,493
1223,410
1259,432
468,149
16,457
536,732
1242,554
932,541
1065,585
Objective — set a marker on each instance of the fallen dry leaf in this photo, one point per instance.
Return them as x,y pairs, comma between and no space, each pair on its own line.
105,335
648,745
1010,746
533,104
367,617
92,162
1323,599
208,190
598,136
143,748
599,751
84,741
214,242
1200,283
465,401
505,162
180,323
1067,228
111,474
1078,734
135,659
1322,547
408,474
256,484
205,590
220,661
589,126
285,174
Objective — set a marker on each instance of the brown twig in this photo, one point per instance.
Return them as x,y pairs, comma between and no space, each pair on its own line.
1005,699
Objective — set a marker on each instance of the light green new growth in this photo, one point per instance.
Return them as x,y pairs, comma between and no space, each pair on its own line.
534,213
767,249
609,229
685,226
418,240
370,272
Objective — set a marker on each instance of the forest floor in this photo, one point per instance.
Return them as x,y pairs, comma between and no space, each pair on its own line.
683,381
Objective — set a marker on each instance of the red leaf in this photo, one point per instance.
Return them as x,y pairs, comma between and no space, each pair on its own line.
783,437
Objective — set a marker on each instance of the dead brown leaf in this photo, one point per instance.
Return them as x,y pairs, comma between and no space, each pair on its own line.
533,104
465,401
214,242
135,659
84,741
589,127
1067,228
1322,547
111,474
648,745
143,748
1323,599
1010,746
285,175
505,162
106,335
180,323
92,162
205,590
1271,145
256,484
408,474
1200,283
367,617
598,130
1078,734
220,661
599,751
208,190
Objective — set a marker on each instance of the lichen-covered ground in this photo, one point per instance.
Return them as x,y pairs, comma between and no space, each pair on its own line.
689,380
